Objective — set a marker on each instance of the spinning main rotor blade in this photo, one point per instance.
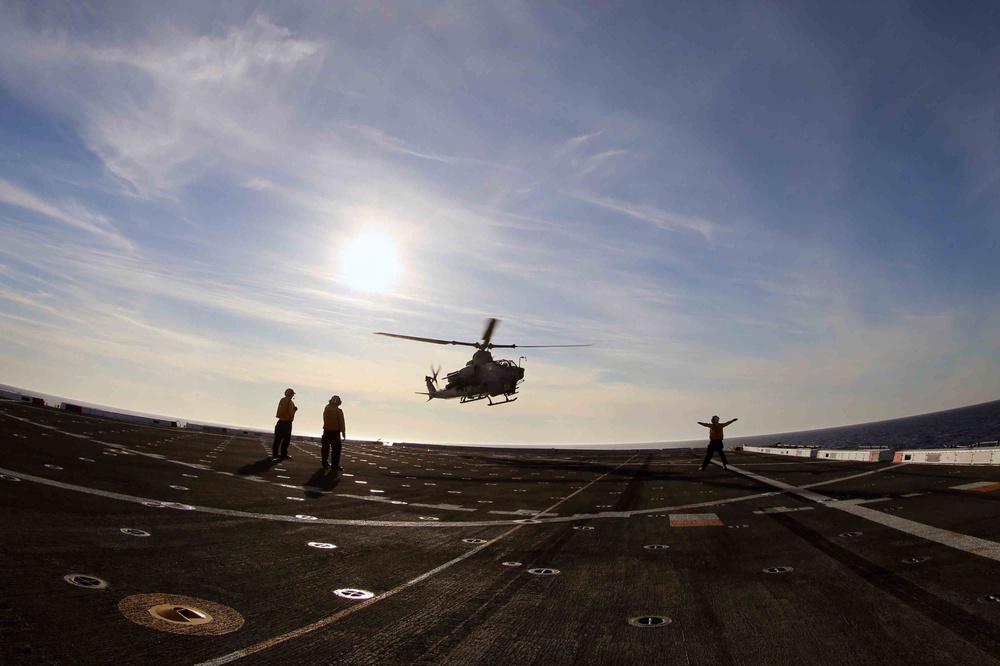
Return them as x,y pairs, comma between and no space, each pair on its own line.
532,346
430,340
488,333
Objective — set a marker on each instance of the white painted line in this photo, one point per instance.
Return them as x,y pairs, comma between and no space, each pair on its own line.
963,542
253,649
891,468
867,501
782,509
970,544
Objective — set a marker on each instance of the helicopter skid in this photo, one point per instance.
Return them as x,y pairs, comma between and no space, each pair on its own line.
507,399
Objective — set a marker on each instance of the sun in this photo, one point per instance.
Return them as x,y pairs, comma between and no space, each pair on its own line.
370,262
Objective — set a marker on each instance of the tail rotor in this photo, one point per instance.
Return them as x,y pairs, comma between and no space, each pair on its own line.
431,381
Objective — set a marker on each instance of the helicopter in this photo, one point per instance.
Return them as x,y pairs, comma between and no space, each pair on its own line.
483,377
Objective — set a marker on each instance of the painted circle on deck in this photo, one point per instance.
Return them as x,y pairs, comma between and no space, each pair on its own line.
916,560
85,580
512,564
656,546
179,487
302,516
429,518
132,531
296,499
54,467
777,570
848,535
8,477
544,571
176,614
737,527
155,505
351,593
990,599
650,621
321,545
474,541
88,460
582,527
178,505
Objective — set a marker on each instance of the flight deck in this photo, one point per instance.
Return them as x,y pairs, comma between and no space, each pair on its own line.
131,544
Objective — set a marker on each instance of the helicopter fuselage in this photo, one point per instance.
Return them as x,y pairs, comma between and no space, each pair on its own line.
481,378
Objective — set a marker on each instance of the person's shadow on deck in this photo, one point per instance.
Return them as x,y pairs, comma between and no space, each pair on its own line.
258,467
322,482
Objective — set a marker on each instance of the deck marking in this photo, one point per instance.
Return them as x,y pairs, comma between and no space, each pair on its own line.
893,467
978,486
868,501
694,520
399,523
969,544
319,624
384,523
782,509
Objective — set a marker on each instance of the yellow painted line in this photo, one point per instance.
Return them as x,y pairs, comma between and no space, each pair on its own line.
986,488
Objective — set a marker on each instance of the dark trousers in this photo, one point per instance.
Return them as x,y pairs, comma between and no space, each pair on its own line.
331,447
713,446
282,437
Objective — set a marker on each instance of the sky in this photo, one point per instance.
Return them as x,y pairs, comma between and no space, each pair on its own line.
782,212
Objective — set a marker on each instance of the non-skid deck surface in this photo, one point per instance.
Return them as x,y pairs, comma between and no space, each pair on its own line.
126,544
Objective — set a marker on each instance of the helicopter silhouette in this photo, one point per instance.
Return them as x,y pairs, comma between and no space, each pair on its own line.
483,377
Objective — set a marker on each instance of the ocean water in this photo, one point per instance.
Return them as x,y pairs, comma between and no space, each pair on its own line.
955,427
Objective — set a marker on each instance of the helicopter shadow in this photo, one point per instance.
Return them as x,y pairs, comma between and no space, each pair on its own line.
257,467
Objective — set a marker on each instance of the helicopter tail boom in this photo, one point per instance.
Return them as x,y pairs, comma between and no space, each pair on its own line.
431,388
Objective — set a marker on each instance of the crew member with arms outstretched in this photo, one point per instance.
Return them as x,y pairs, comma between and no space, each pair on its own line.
283,428
715,441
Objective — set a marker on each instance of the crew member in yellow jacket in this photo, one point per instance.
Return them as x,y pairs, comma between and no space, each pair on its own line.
334,428
283,428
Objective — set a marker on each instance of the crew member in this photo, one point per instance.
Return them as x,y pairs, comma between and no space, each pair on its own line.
715,441
283,428
334,428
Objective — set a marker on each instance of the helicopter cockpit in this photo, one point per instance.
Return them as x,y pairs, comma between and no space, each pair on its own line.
481,356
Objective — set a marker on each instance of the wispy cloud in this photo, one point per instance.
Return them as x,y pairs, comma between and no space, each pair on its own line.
72,215
651,214
720,224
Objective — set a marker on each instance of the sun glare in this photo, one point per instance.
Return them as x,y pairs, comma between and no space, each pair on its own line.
370,262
